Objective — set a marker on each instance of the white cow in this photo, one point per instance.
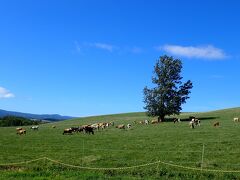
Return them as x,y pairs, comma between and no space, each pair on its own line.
146,122
191,124
129,126
236,119
34,127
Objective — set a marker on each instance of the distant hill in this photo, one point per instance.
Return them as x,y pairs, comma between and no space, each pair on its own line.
46,117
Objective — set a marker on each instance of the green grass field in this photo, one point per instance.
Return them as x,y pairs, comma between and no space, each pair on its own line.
115,148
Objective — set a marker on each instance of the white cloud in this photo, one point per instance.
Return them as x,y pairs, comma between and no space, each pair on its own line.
206,52
103,46
4,93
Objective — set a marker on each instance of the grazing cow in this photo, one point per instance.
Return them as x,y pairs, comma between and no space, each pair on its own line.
81,129
102,125
111,123
154,121
175,120
67,131
53,126
18,129
236,119
121,126
22,131
216,124
191,124
95,126
197,122
75,129
129,126
141,122
146,122
34,127
88,129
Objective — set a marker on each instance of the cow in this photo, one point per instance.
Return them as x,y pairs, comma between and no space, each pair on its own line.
111,123
216,124
236,119
146,122
95,126
107,125
81,129
197,122
141,122
129,126
18,129
102,125
53,126
191,124
67,131
175,120
34,128
22,131
121,126
75,129
154,121
88,130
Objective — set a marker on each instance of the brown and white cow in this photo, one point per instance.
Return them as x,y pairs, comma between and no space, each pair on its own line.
67,131
22,131
121,126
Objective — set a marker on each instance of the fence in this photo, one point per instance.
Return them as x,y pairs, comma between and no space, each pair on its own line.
157,162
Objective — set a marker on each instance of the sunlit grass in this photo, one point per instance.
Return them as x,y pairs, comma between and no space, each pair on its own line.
168,142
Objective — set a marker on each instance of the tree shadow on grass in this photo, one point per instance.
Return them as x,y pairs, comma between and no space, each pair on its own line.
187,119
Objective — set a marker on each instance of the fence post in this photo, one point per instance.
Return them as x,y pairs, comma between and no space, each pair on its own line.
202,157
157,169
82,152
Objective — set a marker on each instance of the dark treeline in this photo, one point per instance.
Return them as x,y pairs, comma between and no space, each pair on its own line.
17,121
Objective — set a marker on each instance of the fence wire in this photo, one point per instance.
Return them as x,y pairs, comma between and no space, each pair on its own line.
123,168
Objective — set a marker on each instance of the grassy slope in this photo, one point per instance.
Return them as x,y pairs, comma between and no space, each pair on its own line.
175,143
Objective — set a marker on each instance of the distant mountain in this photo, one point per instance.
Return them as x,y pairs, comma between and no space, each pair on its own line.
47,117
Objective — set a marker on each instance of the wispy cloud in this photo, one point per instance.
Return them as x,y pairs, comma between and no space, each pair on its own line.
215,76
103,46
4,93
136,50
206,52
77,46
82,47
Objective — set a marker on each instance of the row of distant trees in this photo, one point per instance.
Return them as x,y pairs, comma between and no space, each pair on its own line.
17,121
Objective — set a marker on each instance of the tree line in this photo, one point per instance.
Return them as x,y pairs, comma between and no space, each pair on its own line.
17,121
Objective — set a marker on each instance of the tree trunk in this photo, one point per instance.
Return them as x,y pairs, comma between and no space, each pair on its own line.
161,118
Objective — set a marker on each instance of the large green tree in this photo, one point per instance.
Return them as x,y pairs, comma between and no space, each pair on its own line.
169,92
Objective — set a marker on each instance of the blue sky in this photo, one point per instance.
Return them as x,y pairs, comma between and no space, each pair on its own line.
91,57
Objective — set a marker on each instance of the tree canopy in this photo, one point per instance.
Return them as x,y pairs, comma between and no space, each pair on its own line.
16,121
169,92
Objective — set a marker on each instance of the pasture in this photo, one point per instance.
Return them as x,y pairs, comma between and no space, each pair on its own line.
176,144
